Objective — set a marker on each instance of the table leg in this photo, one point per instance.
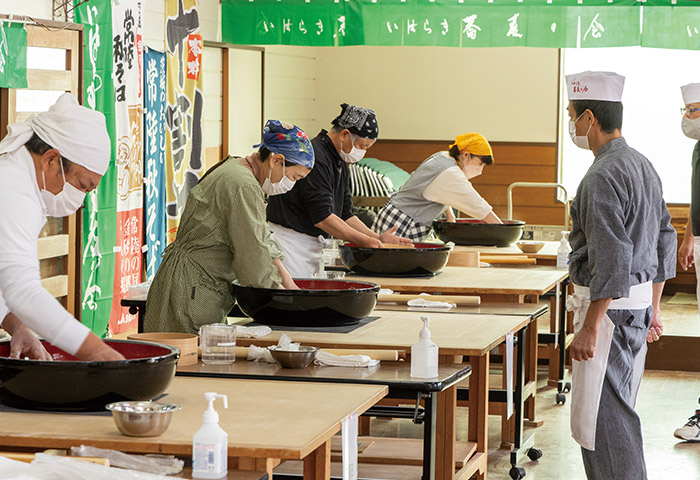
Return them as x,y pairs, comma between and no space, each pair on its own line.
317,464
531,372
445,430
479,406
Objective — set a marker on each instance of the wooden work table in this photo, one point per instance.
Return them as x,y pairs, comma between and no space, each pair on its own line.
265,419
396,376
514,285
471,335
548,252
508,282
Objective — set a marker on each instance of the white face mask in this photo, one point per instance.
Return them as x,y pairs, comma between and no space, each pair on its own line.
691,127
66,202
472,171
278,188
580,141
355,155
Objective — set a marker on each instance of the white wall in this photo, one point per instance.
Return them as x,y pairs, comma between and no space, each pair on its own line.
292,87
39,9
245,100
436,93
213,95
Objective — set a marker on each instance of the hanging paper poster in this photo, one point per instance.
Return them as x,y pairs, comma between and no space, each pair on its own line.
13,55
184,105
154,144
128,97
99,215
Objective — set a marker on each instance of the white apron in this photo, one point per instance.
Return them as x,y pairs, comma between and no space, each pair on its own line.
303,254
588,376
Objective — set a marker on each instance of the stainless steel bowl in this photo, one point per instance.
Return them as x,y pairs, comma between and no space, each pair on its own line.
142,419
301,358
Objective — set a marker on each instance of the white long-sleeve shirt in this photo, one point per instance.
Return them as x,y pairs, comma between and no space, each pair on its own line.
22,216
452,188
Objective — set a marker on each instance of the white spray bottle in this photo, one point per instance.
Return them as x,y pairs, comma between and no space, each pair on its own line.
424,354
210,443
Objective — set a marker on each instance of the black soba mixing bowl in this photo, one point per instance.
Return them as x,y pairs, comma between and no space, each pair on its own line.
426,259
69,384
318,303
476,232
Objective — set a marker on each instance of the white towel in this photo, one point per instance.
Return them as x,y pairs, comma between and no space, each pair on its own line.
259,354
79,133
422,302
332,360
252,332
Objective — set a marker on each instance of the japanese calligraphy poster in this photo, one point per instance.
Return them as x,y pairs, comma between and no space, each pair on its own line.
466,23
112,223
184,106
13,55
154,144
99,215
127,48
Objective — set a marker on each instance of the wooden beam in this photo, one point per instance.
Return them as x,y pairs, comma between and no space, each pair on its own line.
53,246
38,36
49,80
57,286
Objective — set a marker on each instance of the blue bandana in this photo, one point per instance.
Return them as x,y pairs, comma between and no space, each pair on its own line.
288,140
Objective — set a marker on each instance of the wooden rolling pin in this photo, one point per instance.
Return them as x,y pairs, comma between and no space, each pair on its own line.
508,259
377,354
460,300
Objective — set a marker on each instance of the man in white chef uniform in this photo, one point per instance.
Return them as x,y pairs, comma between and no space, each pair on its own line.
47,164
623,250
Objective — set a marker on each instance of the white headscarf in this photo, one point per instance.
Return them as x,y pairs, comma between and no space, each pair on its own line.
79,133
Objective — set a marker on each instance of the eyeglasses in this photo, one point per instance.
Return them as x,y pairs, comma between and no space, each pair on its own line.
685,110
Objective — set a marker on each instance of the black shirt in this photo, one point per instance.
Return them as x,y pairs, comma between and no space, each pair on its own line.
324,191
695,192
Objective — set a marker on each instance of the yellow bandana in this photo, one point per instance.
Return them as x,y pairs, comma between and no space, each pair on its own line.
473,143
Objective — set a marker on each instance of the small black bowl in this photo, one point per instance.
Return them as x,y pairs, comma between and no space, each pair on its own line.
475,232
319,303
426,259
69,384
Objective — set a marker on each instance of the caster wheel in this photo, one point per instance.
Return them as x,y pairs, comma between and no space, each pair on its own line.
567,387
561,399
534,454
517,473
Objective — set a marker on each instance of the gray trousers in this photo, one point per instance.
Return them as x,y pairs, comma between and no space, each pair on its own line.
619,453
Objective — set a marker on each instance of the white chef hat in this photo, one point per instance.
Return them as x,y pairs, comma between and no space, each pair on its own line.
691,93
78,132
605,86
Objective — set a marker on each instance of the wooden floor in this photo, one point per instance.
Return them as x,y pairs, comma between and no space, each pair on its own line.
666,400
681,320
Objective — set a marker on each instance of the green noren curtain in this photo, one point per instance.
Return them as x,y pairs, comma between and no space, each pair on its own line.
463,23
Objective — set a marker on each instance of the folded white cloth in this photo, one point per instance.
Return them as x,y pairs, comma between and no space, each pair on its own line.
332,360
259,354
252,332
422,302
385,291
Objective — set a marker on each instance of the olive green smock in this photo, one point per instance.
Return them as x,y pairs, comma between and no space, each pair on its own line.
223,236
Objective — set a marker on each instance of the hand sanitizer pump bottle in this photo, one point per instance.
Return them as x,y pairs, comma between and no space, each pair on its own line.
210,443
563,252
424,354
